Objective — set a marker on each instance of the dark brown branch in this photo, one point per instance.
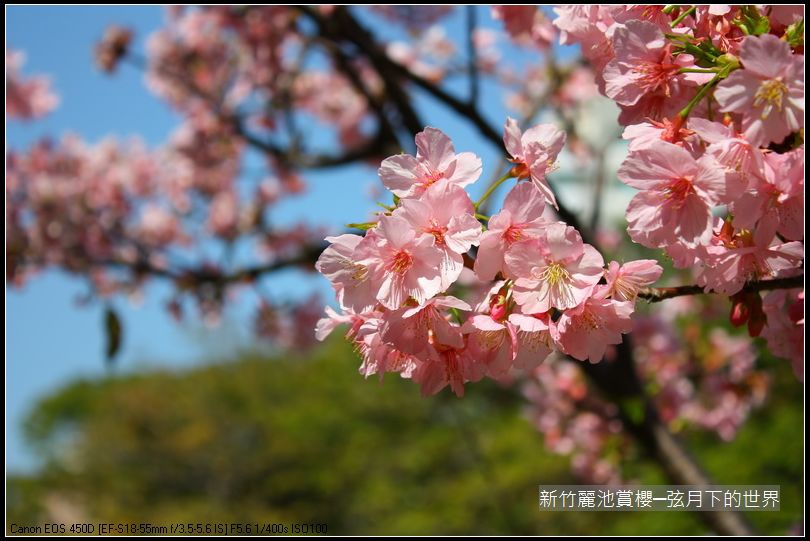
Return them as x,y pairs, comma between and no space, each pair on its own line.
342,27
190,277
380,144
374,147
657,294
344,64
683,469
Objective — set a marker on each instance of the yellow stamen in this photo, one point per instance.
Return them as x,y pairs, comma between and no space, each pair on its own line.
770,94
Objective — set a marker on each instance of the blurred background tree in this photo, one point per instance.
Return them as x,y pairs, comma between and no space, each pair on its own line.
291,439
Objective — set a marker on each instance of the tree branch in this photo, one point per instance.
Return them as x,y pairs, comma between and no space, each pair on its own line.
379,145
657,294
683,469
618,381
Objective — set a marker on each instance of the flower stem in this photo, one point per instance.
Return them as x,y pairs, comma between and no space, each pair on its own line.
492,188
698,70
682,16
700,95
683,42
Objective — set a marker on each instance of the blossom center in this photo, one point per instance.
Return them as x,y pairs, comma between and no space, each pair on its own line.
359,272
655,76
770,95
535,341
432,177
590,320
626,287
520,170
513,234
491,339
678,190
557,281
437,230
554,274
401,262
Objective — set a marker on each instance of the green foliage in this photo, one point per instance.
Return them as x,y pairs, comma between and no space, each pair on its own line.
752,22
309,440
795,34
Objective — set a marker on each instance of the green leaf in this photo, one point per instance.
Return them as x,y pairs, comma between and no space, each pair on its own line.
794,34
113,332
365,226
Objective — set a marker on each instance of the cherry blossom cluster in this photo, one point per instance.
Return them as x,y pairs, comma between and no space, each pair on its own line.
702,377
712,98
214,64
575,421
549,290
26,98
119,211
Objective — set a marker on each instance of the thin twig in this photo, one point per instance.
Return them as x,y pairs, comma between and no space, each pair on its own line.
657,294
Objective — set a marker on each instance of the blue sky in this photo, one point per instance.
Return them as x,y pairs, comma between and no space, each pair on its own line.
50,339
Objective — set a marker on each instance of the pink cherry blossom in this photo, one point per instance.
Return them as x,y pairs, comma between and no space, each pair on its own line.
414,329
768,92
492,342
555,271
730,148
644,134
624,282
678,194
427,55
534,153
330,98
774,200
346,264
526,24
326,325
446,213
28,98
407,265
534,339
716,22
785,14
573,420
436,161
223,216
585,331
784,330
448,366
745,256
380,357
159,227
591,26
522,217
644,76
